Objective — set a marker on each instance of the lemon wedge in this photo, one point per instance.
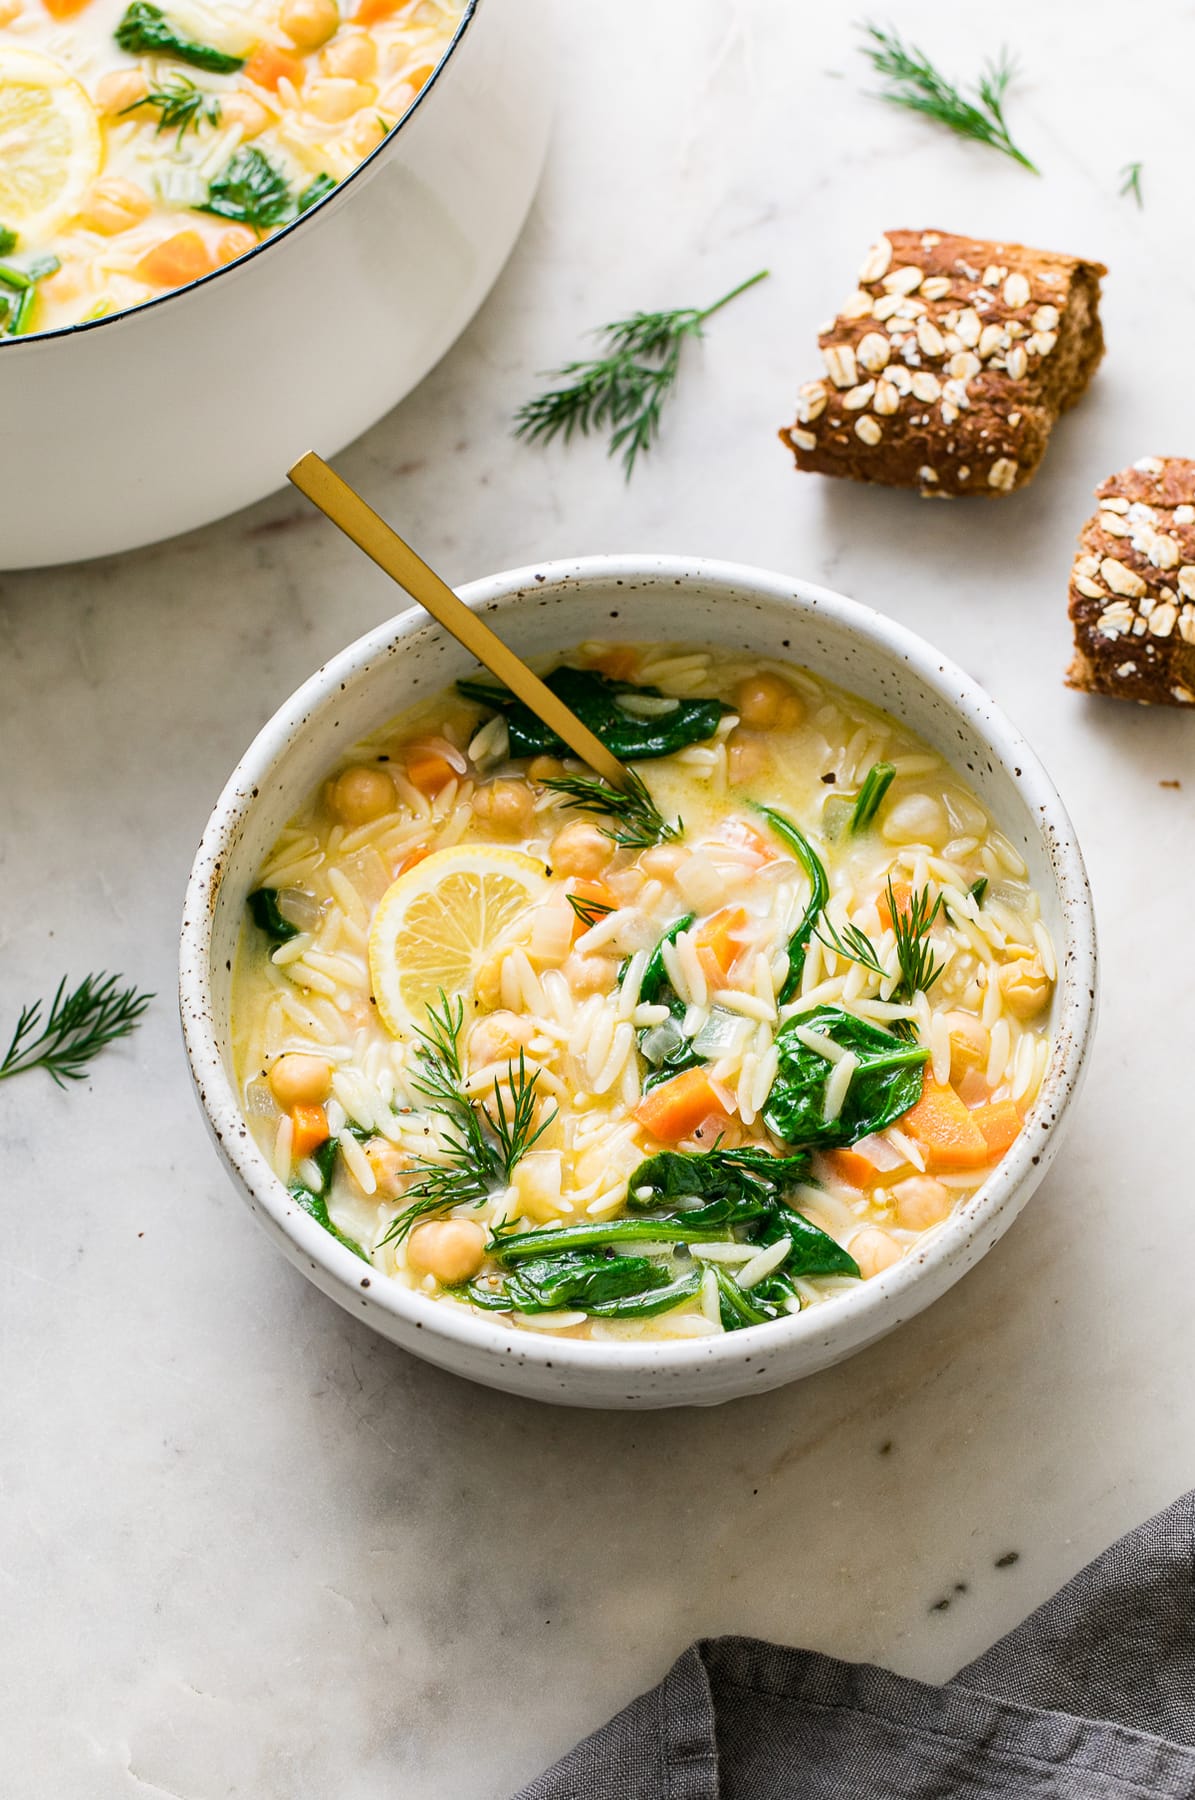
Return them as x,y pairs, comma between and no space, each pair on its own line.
50,144
440,920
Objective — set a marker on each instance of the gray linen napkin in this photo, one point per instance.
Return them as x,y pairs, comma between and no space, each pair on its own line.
1092,1698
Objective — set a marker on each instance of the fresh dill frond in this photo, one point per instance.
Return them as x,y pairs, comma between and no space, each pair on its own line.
1131,182
915,83
854,945
636,821
588,911
79,1025
919,968
480,1146
181,106
624,389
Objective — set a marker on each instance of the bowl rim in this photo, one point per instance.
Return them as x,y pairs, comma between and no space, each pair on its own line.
858,1316
377,154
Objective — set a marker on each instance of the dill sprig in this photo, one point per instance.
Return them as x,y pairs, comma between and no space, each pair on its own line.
480,1146
624,389
181,106
79,1025
914,82
1131,182
917,966
636,821
588,911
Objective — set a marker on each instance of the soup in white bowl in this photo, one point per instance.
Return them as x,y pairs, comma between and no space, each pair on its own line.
651,1069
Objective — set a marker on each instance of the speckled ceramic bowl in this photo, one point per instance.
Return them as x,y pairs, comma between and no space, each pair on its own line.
639,598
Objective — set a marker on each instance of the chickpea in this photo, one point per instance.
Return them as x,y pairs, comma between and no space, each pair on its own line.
450,1249
235,242
791,713
580,849
1025,986
353,54
874,1251
662,861
970,1042
590,974
497,1038
505,806
297,1079
746,755
245,111
759,698
309,23
390,1166
360,794
118,90
920,1203
544,768
114,205
916,819
365,132
333,100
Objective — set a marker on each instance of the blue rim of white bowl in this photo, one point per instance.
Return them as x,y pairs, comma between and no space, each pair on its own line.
862,1309
8,346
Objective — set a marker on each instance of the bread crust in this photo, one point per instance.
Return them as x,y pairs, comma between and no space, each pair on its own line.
948,366
1132,587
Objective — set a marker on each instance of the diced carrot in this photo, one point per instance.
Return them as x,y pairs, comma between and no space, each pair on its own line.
63,9
372,12
619,662
309,1129
711,968
745,837
583,890
1000,1124
412,857
176,260
946,1132
269,65
716,935
902,893
673,1110
850,1167
428,769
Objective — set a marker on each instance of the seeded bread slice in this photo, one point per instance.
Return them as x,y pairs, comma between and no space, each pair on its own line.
1132,591
948,366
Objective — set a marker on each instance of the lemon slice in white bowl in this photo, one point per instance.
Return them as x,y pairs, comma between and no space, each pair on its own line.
50,144
439,922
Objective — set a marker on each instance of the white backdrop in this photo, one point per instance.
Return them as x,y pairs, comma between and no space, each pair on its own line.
247,1548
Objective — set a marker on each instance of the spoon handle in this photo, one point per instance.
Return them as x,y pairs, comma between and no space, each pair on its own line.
345,507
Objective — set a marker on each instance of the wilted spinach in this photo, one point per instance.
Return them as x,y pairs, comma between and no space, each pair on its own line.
595,700
886,1084
794,839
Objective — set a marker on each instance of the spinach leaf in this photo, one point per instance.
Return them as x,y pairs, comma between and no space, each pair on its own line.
8,241
513,1247
647,1306
738,1306
886,1084
250,190
814,1251
656,989
581,1278
595,700
798,944
317,1206
264,911
876,782
744,1183
978,889
146,31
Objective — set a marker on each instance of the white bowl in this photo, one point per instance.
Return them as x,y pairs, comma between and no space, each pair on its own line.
645,599
305,341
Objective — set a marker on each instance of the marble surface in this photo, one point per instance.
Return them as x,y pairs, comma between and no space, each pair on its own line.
248,1549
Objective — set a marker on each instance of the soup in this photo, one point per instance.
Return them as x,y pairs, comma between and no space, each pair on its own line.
142,147
662,1064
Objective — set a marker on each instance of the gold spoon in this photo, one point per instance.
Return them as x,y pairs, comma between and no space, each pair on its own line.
345,507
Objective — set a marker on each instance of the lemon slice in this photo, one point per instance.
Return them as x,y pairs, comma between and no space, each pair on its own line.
50,144
437,923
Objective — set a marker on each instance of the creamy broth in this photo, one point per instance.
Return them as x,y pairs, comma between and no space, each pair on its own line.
746,1065
133,162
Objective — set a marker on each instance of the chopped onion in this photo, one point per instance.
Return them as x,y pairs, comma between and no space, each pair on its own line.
299,908
719,1035
879,1151
661,1042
